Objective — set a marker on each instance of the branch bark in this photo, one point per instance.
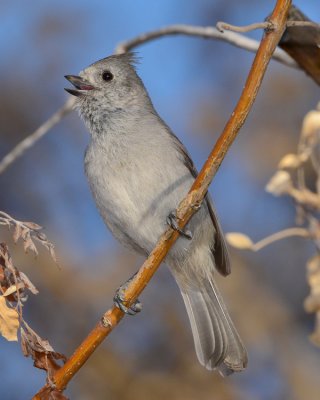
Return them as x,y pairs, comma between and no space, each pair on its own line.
186,208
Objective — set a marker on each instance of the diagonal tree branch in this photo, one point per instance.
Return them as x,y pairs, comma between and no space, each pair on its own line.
187,207
205,32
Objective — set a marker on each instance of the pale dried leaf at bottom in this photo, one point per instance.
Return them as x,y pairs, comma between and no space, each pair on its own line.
9,321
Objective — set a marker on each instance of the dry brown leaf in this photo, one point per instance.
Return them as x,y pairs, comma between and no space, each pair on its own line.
28,284
9,321
311,125
53,254
40,350
28,231
280,183
32,225
35,342
289,161
17,233
13,288
29,245
25,233
5,258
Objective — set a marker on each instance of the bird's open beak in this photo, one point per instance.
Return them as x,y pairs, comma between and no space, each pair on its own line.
81,85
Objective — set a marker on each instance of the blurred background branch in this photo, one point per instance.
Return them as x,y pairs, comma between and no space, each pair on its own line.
287,181
289,44
204,32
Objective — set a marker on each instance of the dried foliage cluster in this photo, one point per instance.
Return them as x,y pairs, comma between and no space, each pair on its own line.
291,179
15,287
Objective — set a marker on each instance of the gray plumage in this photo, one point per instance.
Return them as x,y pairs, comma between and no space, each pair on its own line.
138,173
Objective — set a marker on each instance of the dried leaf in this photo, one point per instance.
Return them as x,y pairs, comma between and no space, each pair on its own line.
25,233
35,341
17,233
40,350
29,245
42,237
53,254
28,231
312,303
9,321
4,254
280,183
13,288
239,240
32,225
311,126
289,161
28,284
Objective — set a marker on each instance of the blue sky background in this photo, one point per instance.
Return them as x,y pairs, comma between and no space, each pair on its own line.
41,41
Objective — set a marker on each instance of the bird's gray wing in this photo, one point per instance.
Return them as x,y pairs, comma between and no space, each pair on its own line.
219,247
220,251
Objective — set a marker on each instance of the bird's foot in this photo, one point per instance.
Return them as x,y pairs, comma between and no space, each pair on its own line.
172,221
120,301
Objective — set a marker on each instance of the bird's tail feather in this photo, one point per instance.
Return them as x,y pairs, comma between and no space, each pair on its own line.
217,342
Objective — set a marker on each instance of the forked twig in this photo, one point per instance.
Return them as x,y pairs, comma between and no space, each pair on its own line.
206,32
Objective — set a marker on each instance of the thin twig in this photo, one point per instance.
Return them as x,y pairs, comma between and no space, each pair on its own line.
188,205
224,26
208,32
302,232
30,140
188,30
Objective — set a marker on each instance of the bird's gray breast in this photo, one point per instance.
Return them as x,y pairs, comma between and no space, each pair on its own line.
136,180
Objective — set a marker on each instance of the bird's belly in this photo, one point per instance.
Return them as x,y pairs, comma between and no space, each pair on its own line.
135,201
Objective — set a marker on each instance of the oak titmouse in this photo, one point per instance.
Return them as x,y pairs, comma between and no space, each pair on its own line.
138,172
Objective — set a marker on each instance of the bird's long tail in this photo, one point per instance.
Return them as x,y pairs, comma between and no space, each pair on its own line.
217,342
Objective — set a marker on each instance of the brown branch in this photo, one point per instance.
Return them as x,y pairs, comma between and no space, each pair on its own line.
186,208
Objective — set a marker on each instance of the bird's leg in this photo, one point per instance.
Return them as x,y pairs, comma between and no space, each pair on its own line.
172,221
119,300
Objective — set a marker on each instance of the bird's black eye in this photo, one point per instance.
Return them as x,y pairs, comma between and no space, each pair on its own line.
107,76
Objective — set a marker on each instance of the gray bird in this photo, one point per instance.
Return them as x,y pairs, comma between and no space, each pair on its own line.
138,172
